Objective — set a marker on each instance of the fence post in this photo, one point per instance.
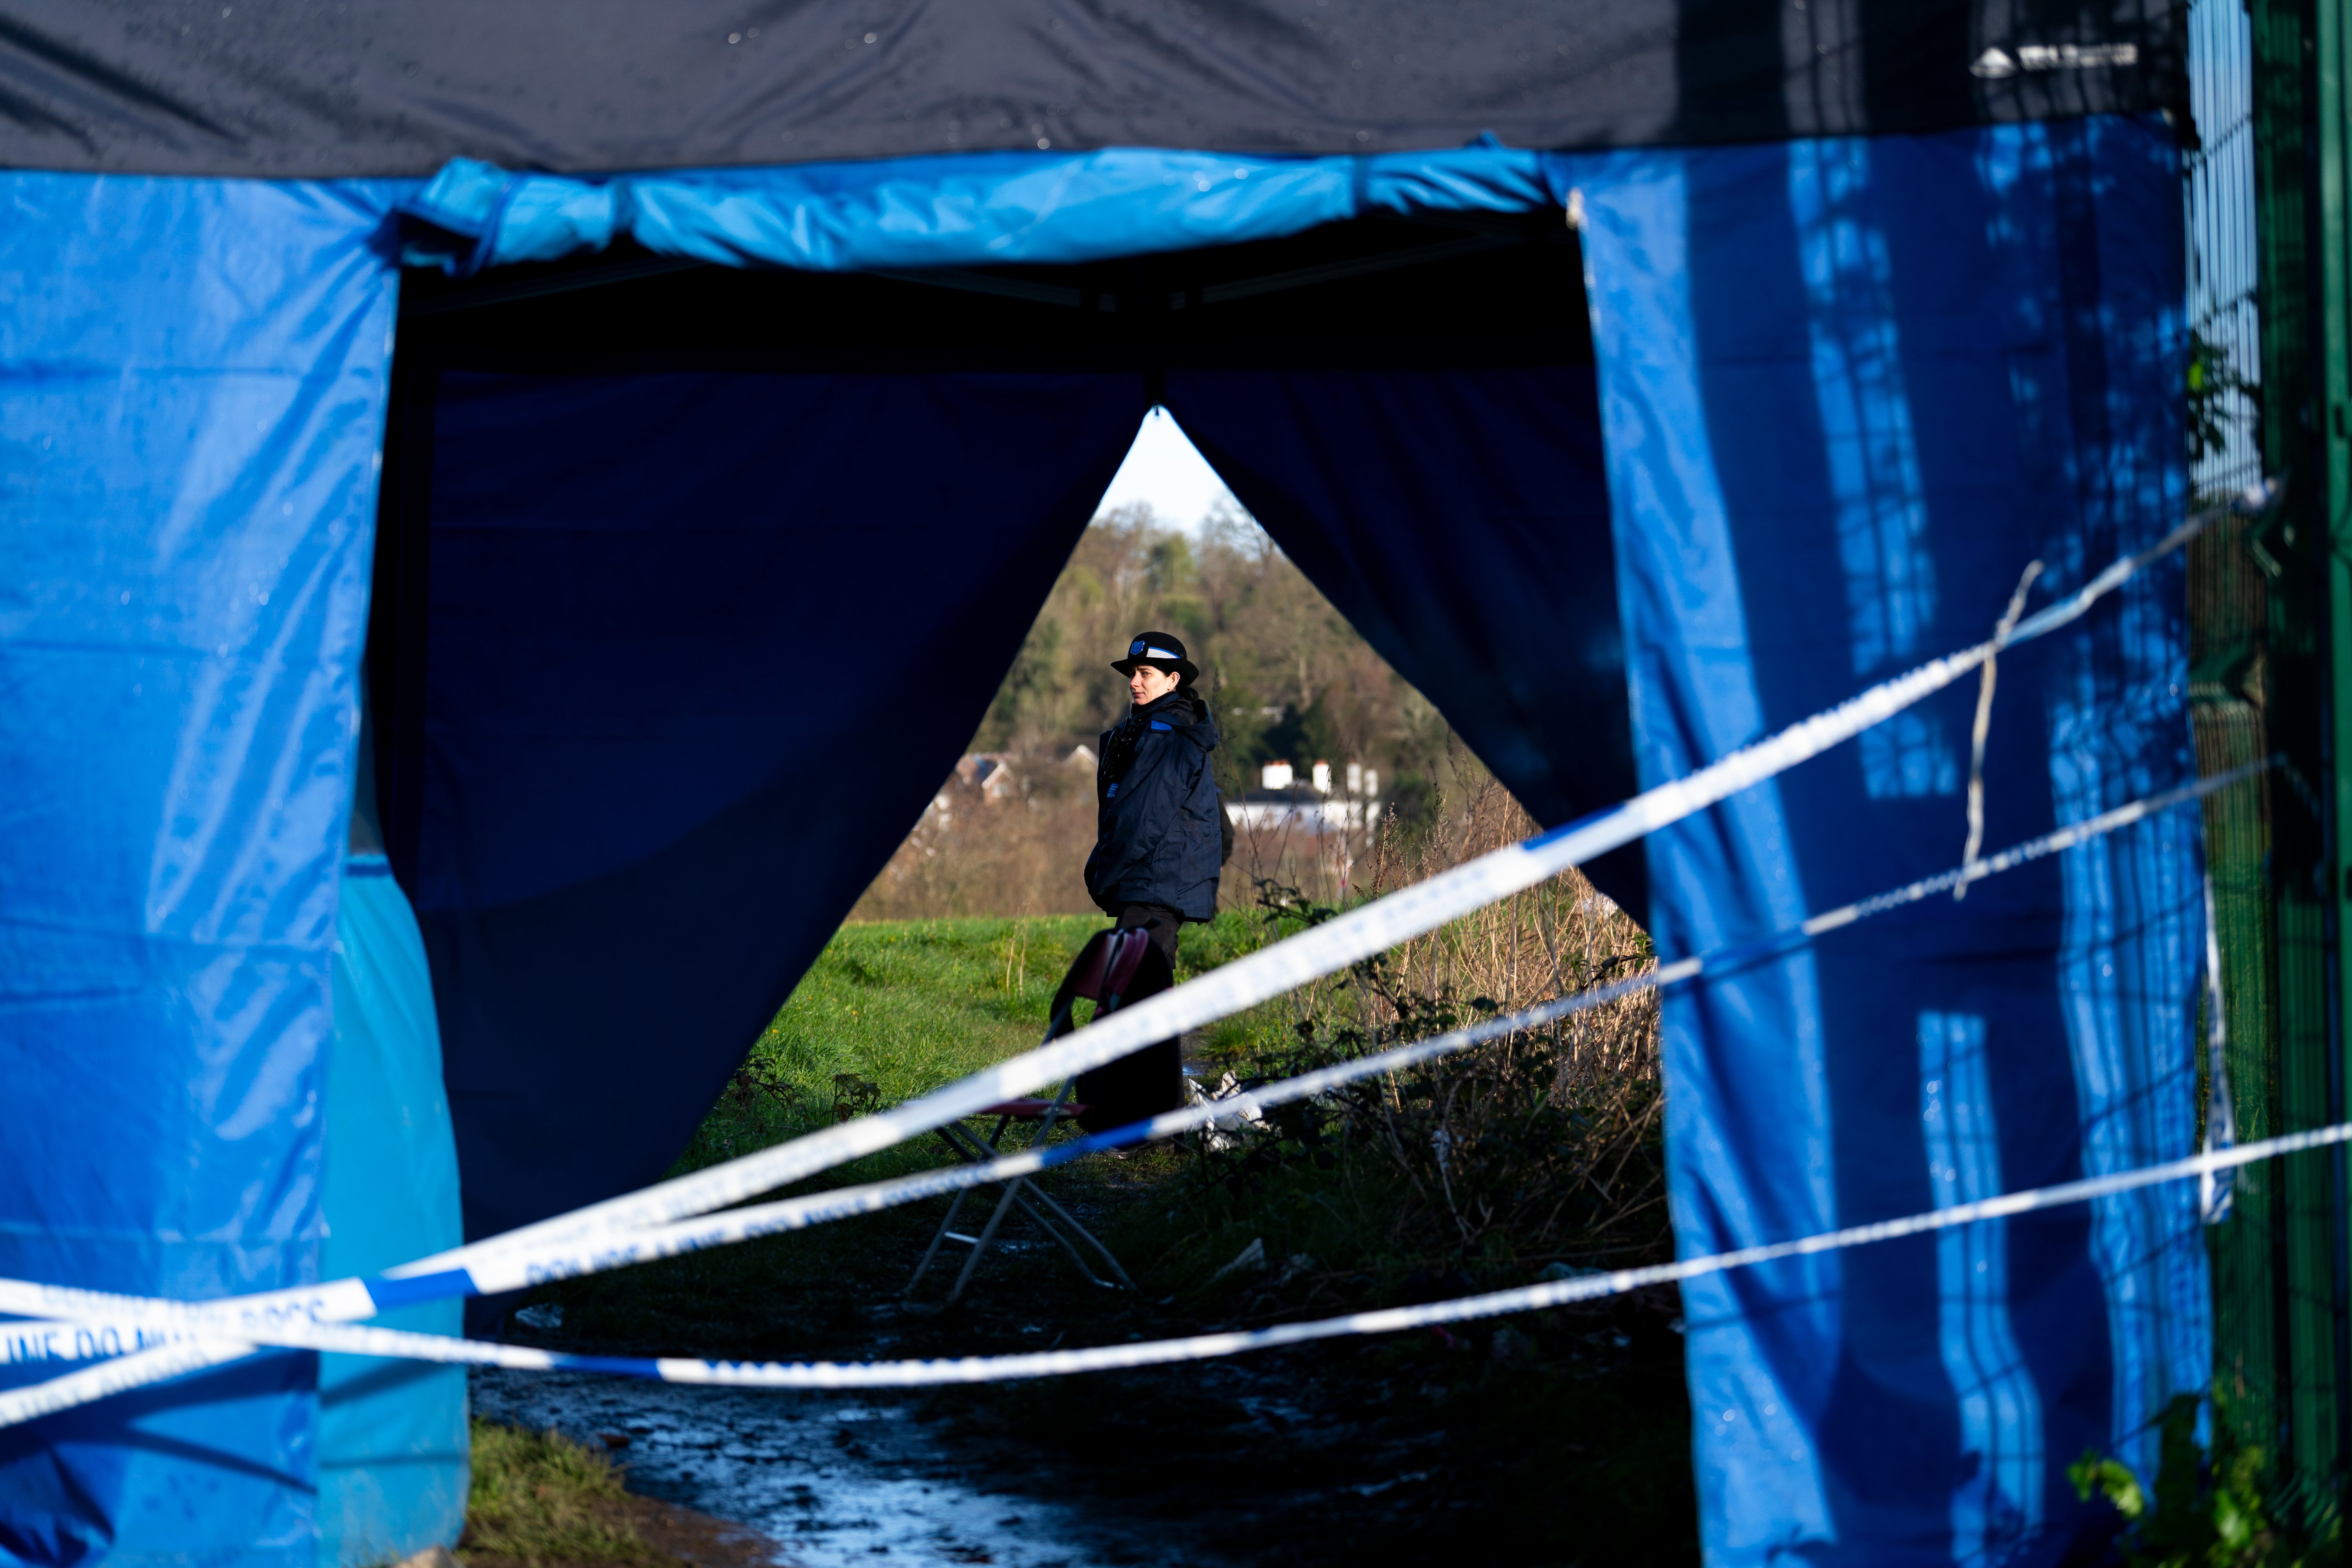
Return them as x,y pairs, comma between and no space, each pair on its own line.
2329,454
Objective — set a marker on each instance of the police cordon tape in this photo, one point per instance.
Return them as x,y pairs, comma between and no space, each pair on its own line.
119,1375
123,1316
98,1324
1311,954
1325,949
360,1339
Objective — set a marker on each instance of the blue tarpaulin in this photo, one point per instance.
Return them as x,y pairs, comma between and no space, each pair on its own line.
1850,389
696,643
195,381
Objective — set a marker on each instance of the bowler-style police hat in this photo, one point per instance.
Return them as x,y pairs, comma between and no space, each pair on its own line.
1160,651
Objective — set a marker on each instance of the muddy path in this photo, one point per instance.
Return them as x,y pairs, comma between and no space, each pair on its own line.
1553,1438
1559,1445
825,1482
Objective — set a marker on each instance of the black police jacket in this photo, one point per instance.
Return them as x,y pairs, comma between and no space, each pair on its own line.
1160,826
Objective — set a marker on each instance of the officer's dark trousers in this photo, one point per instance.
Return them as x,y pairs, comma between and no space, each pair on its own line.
1160,921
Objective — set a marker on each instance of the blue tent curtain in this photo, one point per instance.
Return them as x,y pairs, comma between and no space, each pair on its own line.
194,375
1850,389
698,649
1459,518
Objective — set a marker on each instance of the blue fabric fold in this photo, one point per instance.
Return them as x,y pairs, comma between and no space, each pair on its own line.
974,209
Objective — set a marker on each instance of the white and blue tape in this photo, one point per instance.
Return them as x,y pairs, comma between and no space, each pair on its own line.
93,1330
1326,949
360,1339
601,1235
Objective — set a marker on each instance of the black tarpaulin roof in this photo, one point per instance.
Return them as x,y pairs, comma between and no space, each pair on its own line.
285,89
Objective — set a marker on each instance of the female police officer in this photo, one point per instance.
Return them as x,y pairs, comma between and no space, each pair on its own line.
1160,828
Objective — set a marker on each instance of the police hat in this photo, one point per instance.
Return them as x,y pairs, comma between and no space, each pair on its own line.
1162,652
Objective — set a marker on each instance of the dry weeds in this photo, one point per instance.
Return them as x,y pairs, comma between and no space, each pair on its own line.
1545,1144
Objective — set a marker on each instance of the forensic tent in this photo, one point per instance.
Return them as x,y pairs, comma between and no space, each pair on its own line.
605,456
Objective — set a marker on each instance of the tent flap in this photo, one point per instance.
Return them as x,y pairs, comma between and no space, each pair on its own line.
1460,520
697,650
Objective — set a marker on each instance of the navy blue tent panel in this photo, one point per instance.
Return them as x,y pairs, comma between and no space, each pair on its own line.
1851,389
1460,520
698,649
194,378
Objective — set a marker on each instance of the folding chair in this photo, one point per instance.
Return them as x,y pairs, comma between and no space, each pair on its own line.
1115,966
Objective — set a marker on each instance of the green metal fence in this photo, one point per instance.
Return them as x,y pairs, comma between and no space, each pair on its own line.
2270,628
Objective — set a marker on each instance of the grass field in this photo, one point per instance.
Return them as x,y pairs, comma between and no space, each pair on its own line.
894,1008
539,1499
913,1005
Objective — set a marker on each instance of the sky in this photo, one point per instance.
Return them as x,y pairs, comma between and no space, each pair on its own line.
1164,469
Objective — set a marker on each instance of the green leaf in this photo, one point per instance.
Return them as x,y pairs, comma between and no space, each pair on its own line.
2095,1476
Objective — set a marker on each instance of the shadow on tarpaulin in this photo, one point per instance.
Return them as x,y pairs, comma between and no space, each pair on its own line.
1853,388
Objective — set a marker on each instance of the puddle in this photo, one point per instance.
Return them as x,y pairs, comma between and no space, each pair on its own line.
831,1481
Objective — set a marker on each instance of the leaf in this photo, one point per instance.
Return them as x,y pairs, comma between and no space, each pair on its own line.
2097,1475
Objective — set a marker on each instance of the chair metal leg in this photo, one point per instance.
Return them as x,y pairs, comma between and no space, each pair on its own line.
1026,1190
1012,1192
938,1236
972,1149
1020,1191
1043,1131
966,1144
947,1226
1052,1112
1067,1219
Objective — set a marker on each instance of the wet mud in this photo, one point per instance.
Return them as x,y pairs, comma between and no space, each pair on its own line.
1556,1437
826,1482
1563,1442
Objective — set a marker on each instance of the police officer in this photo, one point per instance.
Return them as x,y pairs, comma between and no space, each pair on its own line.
1160,826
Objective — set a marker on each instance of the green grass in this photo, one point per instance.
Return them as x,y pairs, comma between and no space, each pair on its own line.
540,1498
912,1005
907,1006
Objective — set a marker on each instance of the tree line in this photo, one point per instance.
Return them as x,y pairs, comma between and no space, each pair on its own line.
1287,676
